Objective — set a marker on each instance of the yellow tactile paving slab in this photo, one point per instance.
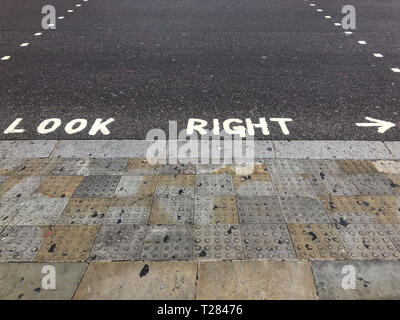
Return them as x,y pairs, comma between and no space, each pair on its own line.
170,209
147,187
149,280
177,180
362,209
36,167
357,166
387,166
59,186
86,211
7,166
255,280
317,241
67,243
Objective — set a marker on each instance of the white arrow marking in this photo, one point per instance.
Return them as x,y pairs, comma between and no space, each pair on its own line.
383,125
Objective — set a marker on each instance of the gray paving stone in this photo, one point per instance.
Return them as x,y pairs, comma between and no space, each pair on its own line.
173,242
26,148
128,186
371,184
394,147
393,231
9,209
256,188
218,242
97,186
23,281
367,242
293,185
84,211
20,243
72,167
303,210
320,167
20,188
267,241
263,149
174,191
214,185
302,149
170,209
214,210
101,148
10,164
374,279
259,210
118,243
128,211
37,212
107,167
277,167
334,185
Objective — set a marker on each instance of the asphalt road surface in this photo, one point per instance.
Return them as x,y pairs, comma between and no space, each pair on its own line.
144,63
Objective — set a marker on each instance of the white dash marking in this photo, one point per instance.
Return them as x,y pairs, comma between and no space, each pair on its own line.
37,34
78,5
25,44
312,4
51,25
337,24
69,11
348,32
395,69
61,17
320,10
378,55
328,17
362,42
5,58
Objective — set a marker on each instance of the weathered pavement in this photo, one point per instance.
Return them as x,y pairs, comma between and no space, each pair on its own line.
144,63
117,227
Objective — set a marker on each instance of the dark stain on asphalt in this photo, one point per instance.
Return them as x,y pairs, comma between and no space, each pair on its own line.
145,270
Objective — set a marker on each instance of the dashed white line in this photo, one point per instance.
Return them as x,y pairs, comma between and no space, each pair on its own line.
396,70
362,42
61,17
378,55
25,44
5,58
328,17
69,11
320,10
78,5
312,4
337,24
348,32
37,34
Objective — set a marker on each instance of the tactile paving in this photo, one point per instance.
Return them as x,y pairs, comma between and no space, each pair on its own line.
214,185
214,210
118,243
336,184
20,243
284,167
394,180
293,185
84,211
371,184
179,185
317,242
37,212
253,185
303,210
218,242
215,169
107,167
169,209
36,167
357,166
58,186
20,188
71,167
267,241
367,241
97,186
259,210
128,211
387,166
7,166
393,231
9,209
174,242
321,167
136,186
67,243
140,166
362,209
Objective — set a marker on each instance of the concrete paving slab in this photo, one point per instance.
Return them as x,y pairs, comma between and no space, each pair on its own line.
23,281
72,167
255,280
335,149
320,167
394,148
293,185
260,210
26,148
170,209
372,184
214,185
253,185
387,166
217,242
84,211
303,210
393,231
215,210
336,184
267,242
149,280
177,185
107,166
20,188
373,280
278,167
97,186
9,208
8,165
357,166
128,211
35,167
58,187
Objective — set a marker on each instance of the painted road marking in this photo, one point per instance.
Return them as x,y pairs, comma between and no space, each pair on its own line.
362,42
395,69
70,11
337,24
25,44
37,34
61,17
5,58
320,10
348,32
328,17
383,126
78,5
378,55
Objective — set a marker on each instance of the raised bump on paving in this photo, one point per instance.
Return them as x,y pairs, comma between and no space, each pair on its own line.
259,210
128,211
214,210
253,185
170,209
303,210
